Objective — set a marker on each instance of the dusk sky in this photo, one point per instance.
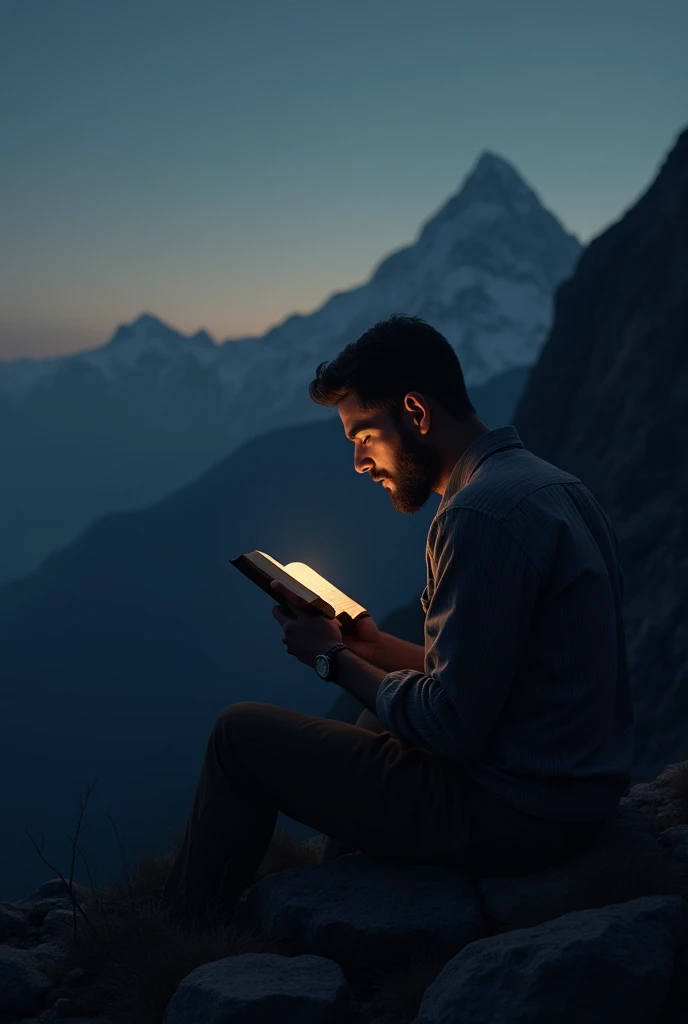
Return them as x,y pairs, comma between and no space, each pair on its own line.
225,164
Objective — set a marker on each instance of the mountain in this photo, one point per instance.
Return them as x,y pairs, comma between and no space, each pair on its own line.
125,424
608,401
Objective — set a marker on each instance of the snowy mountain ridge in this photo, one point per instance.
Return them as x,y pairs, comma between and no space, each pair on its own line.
482,270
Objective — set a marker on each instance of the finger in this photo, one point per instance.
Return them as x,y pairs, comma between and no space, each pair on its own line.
280,614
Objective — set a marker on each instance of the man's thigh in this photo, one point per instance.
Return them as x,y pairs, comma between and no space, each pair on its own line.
348,782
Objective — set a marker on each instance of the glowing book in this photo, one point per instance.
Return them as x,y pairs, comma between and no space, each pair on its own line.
303,581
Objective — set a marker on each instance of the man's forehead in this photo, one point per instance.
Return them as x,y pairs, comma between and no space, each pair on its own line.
354,416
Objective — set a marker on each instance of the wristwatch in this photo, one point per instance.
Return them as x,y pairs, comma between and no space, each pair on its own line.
324,663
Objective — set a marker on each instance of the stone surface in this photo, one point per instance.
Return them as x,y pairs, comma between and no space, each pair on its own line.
57,920
52,889
38,911
47,952
675,842
64,1008
261,988
626,862
360,910
664,799
22,985
12,921
613,964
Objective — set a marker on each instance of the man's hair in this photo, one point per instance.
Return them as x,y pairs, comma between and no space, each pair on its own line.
395,356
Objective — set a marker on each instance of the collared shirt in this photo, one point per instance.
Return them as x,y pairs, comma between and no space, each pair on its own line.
526,677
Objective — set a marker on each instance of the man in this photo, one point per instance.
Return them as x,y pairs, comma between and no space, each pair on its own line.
500,746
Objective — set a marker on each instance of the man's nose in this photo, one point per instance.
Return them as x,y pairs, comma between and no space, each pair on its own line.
362,462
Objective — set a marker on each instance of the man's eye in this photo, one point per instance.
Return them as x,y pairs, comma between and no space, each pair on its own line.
366,439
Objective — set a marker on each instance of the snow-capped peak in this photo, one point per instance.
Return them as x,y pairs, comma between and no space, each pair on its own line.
482,270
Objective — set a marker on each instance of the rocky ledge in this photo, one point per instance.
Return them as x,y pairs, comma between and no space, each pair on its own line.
600,939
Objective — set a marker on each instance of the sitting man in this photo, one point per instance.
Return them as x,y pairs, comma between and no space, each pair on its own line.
505,742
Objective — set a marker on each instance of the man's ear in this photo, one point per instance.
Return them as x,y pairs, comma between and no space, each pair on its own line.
417,405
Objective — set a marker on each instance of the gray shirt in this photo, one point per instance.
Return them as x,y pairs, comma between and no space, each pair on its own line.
526,677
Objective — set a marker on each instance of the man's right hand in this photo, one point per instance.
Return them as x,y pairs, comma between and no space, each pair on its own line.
363,637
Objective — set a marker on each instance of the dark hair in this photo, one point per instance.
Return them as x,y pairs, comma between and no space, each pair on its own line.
397,355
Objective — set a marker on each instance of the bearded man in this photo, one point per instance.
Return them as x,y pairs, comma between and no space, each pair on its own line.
501,745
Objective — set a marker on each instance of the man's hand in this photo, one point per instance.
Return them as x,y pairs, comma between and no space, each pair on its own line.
364,638
307,632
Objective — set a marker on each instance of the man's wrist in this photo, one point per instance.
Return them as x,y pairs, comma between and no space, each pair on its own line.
334,661
359,677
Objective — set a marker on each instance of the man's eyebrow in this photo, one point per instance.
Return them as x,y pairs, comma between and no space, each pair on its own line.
358,427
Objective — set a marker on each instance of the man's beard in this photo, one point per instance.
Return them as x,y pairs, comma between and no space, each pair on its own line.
417,469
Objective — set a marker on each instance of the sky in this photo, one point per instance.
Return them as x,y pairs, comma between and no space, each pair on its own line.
223,165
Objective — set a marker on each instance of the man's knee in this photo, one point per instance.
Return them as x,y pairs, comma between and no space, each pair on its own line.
367,720
239,715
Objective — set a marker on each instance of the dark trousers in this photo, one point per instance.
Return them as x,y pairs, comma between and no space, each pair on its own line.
352,784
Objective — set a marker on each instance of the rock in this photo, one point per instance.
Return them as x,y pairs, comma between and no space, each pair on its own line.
52,996
12,921
77,976
64,1008
55,887
625,862
56,920
261,988
597,966
47,953
662,800
359,910
675,842
22,985
36,912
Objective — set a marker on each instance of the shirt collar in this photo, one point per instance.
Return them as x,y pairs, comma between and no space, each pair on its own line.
484,446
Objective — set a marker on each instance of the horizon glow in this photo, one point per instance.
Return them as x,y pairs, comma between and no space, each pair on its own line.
225,166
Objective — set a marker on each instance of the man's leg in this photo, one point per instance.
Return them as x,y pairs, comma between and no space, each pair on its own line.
350,783
333,848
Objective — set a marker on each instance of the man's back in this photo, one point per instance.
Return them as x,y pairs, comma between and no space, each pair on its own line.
526,676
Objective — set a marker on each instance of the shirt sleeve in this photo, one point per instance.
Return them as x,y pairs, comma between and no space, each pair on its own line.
476,626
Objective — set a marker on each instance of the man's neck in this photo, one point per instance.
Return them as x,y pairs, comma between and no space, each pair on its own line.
458,440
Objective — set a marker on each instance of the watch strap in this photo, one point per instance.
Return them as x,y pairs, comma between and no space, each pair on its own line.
329,654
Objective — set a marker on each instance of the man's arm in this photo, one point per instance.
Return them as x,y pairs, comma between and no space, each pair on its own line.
392,653
359,677
476,627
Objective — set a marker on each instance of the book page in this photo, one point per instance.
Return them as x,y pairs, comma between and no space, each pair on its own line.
317,583
274,570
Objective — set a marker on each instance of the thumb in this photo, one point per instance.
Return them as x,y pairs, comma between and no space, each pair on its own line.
365,628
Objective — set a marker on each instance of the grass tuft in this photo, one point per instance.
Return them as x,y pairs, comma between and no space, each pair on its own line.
134,956
398,990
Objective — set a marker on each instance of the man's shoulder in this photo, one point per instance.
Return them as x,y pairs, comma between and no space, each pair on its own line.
509,480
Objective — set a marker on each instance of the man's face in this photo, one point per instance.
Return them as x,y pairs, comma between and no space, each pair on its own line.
393,453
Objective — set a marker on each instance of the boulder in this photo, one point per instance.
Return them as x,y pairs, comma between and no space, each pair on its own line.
625,862
598,966
38,911
57,920
261,988
361,910
675,842
54,887
663,800
12,921
22,984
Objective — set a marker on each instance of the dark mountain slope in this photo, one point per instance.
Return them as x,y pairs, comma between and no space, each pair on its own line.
608,401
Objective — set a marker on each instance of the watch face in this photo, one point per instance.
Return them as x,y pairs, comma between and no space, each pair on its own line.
322,666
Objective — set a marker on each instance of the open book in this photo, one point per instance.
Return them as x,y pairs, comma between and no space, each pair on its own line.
302,581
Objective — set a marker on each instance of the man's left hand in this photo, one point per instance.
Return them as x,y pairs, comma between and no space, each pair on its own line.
309,632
